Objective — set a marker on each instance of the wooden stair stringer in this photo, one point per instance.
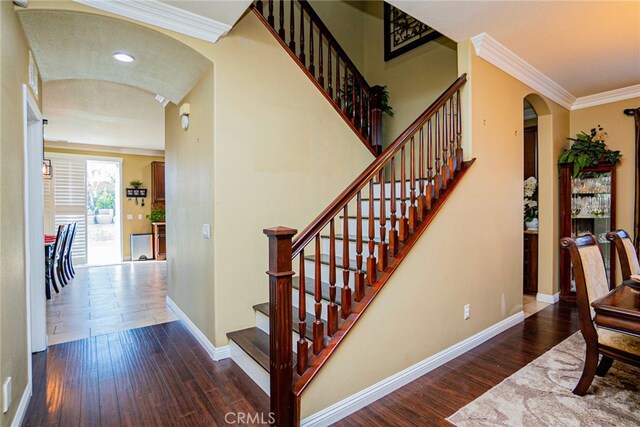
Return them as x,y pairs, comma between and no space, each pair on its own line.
317,362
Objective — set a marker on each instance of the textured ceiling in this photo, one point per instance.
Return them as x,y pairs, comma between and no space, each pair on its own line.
102,113
73,45
587,47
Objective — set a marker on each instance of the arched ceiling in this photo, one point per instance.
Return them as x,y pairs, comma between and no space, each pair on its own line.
98,112
73,45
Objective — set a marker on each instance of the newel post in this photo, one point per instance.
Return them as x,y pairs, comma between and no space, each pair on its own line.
281,324
376,118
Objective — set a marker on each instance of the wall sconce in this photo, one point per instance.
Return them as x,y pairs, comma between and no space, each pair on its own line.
47,169
184,116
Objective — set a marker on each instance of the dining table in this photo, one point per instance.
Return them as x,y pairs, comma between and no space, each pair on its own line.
619,310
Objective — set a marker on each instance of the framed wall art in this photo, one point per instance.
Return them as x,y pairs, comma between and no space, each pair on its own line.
403,32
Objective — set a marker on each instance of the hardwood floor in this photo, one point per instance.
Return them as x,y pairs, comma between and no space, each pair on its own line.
431,398
153,376
160,376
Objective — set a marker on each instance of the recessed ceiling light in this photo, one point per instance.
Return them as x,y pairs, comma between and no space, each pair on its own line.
123,57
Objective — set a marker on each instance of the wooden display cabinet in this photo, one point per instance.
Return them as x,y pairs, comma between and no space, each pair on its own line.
159,240
157,183
587,205
530,267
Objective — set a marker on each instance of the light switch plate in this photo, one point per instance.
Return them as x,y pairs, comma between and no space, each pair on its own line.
206,231
129,216
6,395
139,216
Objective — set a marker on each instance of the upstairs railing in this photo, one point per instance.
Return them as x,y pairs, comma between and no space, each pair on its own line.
310,43
394,199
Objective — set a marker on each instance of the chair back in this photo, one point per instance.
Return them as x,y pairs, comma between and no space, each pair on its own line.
71,235
60,241
590,276
626,253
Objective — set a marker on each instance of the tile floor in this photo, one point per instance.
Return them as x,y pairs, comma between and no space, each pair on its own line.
531,305
108,299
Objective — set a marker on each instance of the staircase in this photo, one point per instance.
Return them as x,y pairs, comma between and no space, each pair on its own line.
347,254
311,45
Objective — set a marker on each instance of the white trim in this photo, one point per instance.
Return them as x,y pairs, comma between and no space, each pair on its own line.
66,145
250,367
369,395
607,97
549,299
164,16
497,54
216,353
22,407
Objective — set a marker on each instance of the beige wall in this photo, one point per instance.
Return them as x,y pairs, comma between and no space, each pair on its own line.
472,251
14,62
133,167
190,203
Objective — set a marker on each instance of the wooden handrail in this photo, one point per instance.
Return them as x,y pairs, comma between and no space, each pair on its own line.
309,233
338,79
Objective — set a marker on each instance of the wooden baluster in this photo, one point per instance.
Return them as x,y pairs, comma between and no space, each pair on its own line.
260,7
429,189
312,66
422,208
318,326
330,89
445,148
372,276
393,233
369,123
360,103
353,97
413,209
403,225
458,132
345,92
452,140
292,30
270,19
280,324
338,84
437,178
359,275
383,253
346,291
281,32
303,346
302,56
375,117
320,59
332,313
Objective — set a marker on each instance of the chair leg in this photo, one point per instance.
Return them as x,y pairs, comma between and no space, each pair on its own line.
603,367
52,277
73,270
47,285
65,270
589,371
61,278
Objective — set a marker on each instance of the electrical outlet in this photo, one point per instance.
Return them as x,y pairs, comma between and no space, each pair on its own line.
129,217
467,311
139,216
206,231
6,395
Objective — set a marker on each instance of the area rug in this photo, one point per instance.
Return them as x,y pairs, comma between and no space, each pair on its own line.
540,394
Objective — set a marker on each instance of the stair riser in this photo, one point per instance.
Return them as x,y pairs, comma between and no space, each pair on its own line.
262,322
310,302
250,366
387,189
353,222
376,208
352,248
310,272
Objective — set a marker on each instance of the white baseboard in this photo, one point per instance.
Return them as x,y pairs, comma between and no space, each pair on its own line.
549,299
22,407
369,395
216,353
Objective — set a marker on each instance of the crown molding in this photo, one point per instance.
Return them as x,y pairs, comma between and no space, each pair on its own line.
607,97
164,16
66,145
497,54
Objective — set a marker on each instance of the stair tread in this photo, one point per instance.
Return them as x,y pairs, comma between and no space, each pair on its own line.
309,288
324,259
264,309
352,238
254,342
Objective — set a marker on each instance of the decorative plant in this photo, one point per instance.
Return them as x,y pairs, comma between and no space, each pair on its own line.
348,100
530,205
588,150
135,184
156,215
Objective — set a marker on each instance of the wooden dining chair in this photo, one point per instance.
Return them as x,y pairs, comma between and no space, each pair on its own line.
56,267
65,264
626,253
592,283
69,259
